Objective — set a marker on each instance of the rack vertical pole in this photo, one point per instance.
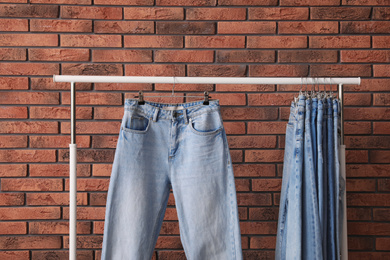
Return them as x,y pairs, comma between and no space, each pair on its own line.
72,177
341,98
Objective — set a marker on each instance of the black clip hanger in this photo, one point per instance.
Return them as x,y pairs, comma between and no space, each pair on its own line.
140,97
206,98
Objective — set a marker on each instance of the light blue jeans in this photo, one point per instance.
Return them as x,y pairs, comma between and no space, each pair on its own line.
178,146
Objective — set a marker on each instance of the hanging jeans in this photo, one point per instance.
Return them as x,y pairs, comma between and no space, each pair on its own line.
178,146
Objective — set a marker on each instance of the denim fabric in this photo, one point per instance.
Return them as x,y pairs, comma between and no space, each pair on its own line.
178,146
280,252
325,175
311,234
314,107
331,229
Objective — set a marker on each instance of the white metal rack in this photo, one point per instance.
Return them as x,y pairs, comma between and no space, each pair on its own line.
179,80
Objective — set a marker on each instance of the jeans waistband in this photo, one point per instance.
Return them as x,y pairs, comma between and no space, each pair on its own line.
158,110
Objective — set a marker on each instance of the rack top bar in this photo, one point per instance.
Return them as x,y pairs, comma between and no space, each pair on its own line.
204,80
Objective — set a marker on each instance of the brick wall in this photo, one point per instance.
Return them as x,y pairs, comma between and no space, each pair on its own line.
238,38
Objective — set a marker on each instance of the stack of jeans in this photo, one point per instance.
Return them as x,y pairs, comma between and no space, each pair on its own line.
312,187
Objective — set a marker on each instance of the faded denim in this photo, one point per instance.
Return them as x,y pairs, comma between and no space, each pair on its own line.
178,146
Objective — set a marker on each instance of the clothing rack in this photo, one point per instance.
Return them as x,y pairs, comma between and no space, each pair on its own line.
176,80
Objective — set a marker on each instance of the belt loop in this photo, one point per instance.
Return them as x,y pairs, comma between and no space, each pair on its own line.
155,114
185,116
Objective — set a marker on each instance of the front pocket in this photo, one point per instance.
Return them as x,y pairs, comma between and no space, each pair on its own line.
207,123
136,124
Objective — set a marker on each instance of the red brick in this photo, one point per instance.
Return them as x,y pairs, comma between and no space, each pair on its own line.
44,11
186,2
348,70
381,13
381,70
156,13
278,70
381,128
12,141
340,13
19,127
29,69
13,170
98,199
379,156
108,113
365,56
31,242
308,27
276,42
215,41
245,56
184,56
89,155
57,227
368,170
13,25
368,199
361,185
253,113
10,83
369,85
311,56
57,170
252,141
355,128
185,28
375,113
167,255
340,42
13,112
86,213
368,255
33,39
101,169
87,184
24,184
11,199
254,199
155,70
266,184
38,25
88,12
246,27
71,40
381,214
360,243
92,69
248,2
29,98
124,27
216,13
263,213
59,112
263,242
309,2
264,156
27,156
13,54
365,27
48,84
124,2
277,13
13,228
267,127
21,213
232,128
274,99
124,86
258,227
364,2
354,99
122,56
244,88
53,141
54,199
364,228
69,2
153,41
238,99
382,243
356,156
58,54
92,127
184,87
216,70
104,141
359,214
384,185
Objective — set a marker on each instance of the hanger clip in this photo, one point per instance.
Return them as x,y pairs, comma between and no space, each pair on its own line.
206,98
140,97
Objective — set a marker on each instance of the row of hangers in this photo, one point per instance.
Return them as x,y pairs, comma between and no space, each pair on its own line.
316,93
